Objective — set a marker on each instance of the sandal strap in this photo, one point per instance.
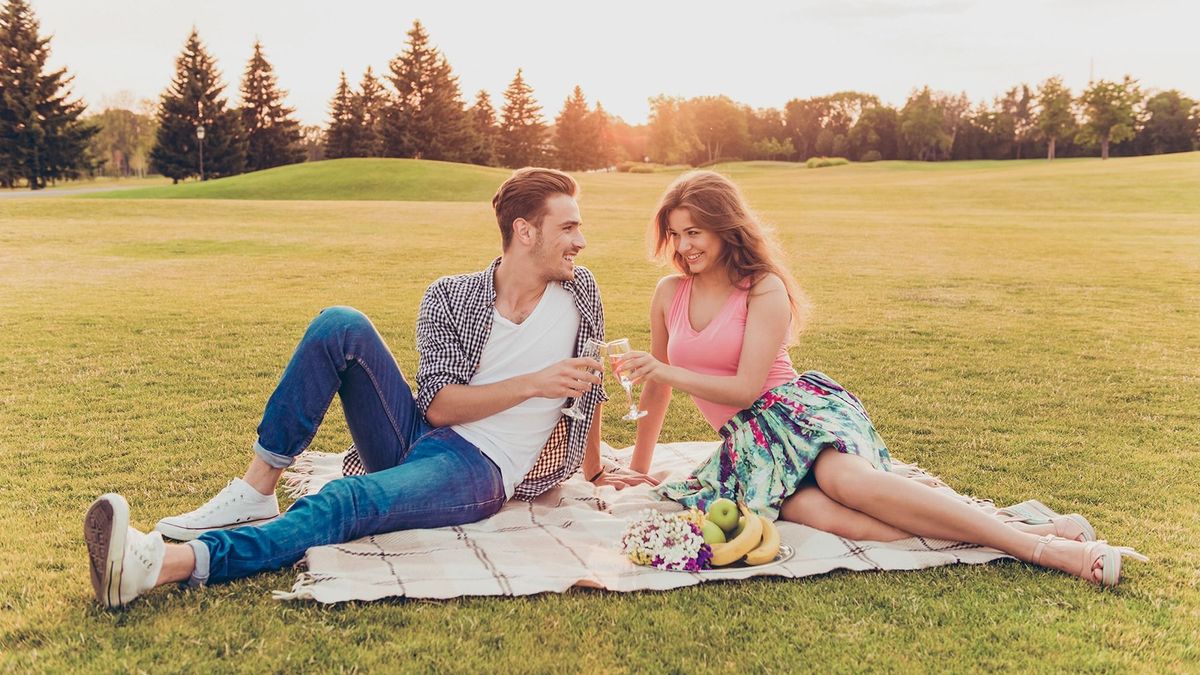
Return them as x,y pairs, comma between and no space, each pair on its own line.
1023,513
1129,552
1041,546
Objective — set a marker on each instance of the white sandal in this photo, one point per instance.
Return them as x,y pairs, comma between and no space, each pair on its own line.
1110,556
1071,526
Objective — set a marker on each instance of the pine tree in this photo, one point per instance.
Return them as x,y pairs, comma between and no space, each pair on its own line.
428,119
522,130
192,100
343,137
41,135
604,141
484,130
369,106
272,136
443,121
574,142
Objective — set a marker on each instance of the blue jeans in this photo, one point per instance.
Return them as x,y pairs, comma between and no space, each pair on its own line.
418,476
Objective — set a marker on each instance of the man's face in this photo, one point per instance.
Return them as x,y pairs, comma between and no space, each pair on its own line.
559,239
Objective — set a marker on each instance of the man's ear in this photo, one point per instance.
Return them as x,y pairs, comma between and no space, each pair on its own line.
523,230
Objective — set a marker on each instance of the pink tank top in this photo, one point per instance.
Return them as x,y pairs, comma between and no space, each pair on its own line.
717,349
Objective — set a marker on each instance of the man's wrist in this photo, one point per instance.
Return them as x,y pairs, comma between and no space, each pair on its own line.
525,387
599,472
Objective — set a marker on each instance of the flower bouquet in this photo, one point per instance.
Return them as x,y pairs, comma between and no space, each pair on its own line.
668,541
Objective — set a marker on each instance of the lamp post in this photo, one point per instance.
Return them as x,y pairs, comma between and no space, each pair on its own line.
200,137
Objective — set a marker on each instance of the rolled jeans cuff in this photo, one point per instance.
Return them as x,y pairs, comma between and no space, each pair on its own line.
276,460
200,572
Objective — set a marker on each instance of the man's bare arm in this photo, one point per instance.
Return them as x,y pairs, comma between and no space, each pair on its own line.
463,403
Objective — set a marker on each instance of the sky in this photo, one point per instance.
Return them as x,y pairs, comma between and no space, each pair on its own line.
622,53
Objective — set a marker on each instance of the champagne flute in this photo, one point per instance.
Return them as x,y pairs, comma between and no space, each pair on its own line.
592,349
617,349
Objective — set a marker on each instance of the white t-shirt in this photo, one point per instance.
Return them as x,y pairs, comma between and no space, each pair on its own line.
513,438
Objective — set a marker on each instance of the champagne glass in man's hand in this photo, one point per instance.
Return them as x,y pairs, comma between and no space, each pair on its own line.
592,349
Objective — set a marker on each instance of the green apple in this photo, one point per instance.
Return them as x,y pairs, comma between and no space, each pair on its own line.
712,533
724,513
740,526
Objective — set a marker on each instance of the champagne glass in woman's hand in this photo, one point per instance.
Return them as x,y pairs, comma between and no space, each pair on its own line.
617,349
592,349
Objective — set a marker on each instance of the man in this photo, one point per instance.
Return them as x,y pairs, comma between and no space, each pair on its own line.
497,364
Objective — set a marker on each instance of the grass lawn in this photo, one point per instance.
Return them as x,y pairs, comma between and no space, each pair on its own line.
97,184
1022,329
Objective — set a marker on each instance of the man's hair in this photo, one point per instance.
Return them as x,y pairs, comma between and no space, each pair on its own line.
524,195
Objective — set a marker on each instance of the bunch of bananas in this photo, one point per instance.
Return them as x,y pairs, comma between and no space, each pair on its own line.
756,542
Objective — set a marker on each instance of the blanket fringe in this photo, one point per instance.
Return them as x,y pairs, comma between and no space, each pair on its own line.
310,472
296,486
298,476
301,590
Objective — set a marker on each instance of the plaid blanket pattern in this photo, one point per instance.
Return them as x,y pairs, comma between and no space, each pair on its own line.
569,536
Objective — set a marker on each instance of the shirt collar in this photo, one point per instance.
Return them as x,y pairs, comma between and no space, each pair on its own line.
489,282
582,303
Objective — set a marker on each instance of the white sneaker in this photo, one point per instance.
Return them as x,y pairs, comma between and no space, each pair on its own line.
124,562
236,505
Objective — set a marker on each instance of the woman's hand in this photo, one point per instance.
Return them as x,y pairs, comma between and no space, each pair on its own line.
642,368
622,477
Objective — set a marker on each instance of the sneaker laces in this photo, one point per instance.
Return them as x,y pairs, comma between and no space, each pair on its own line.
143,550
222,499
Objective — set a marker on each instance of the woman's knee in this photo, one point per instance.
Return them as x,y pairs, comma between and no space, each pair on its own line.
843,477
809,506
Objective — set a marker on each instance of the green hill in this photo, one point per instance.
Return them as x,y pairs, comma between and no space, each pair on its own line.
1163,183
340,179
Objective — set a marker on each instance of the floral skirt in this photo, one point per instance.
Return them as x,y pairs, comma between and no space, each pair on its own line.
768,448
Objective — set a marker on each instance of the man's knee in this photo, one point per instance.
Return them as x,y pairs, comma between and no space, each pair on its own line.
339,319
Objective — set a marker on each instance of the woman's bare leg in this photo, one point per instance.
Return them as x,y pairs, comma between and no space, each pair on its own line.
911,507
809,506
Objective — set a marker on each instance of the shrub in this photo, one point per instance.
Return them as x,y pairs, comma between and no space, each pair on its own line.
871,156
821,162
648,167
719,160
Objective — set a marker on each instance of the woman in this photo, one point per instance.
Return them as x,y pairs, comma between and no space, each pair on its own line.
799,447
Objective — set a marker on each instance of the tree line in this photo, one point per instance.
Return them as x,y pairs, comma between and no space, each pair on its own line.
1046,121
416,109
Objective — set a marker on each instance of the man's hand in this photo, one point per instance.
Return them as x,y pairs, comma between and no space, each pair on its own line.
569,378
622,477
641,368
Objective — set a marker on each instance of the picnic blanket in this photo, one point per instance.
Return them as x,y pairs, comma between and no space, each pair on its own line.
570,536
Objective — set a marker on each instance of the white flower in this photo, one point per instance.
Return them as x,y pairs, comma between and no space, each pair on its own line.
663,541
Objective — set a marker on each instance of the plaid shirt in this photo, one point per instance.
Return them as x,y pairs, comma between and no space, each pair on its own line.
453,326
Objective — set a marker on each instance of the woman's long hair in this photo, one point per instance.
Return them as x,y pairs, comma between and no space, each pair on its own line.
749,252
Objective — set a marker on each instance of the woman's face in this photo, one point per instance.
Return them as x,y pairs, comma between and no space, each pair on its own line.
699,248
